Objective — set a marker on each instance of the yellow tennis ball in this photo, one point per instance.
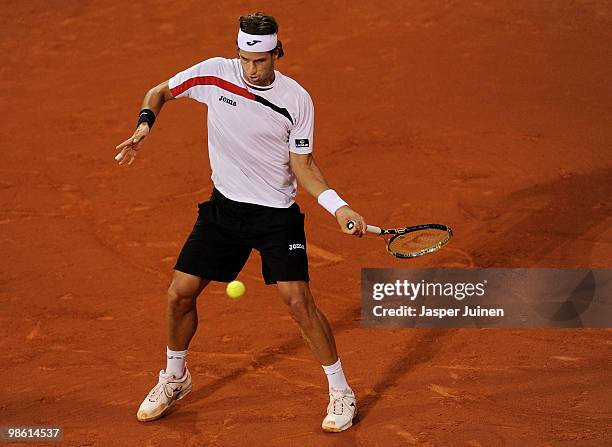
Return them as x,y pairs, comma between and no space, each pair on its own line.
235,289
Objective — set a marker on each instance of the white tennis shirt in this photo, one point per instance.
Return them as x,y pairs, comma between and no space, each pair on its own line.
250,129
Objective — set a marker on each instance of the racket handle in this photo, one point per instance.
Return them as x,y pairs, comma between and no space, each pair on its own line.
369,228
373,229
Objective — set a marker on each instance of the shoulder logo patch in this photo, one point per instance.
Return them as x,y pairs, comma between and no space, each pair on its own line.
302,142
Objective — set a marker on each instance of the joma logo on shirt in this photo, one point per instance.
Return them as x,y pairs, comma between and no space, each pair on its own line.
231,102
296,247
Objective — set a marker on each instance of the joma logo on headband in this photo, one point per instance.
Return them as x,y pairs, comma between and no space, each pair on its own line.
253,42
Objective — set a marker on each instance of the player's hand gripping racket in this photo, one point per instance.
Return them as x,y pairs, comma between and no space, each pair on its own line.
410,242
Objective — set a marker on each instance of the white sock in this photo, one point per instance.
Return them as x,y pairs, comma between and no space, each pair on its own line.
175,364
335,376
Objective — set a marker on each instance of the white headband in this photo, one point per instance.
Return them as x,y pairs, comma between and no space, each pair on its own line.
256,43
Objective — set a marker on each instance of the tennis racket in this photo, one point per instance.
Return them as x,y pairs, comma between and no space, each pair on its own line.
410,242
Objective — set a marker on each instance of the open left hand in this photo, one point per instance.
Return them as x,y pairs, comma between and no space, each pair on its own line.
129,148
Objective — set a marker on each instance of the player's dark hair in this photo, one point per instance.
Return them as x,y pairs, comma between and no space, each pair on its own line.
261,24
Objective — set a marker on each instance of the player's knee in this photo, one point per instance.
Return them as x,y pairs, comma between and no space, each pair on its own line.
299,303
181,298
301,311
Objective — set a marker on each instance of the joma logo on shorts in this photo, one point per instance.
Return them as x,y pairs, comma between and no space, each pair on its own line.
231,102
296,247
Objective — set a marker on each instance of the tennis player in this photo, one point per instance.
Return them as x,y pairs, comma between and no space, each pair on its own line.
260,141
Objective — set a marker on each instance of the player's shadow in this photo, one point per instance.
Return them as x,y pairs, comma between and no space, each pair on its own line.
568,207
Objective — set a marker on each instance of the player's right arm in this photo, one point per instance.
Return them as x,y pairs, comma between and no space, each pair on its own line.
154,100
179,86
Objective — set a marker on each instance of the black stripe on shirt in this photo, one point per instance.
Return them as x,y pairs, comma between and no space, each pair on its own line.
274,107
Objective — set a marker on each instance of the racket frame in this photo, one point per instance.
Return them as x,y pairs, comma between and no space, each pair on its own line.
398,232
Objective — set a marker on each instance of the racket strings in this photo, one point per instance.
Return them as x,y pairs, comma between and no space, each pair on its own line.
418,241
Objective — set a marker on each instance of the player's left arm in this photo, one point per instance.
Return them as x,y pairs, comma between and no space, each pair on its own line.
311,179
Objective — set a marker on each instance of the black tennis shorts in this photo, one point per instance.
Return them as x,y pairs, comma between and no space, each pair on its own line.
226,231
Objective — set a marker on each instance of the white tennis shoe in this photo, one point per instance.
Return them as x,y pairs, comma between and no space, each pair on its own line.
168,390
341,411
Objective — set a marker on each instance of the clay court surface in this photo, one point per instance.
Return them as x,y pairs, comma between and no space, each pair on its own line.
492,117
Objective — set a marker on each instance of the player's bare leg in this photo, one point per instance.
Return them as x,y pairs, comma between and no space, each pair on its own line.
182,309
319,337
175,381
313,324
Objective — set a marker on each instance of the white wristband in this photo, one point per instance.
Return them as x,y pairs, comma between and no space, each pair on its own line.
331,201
